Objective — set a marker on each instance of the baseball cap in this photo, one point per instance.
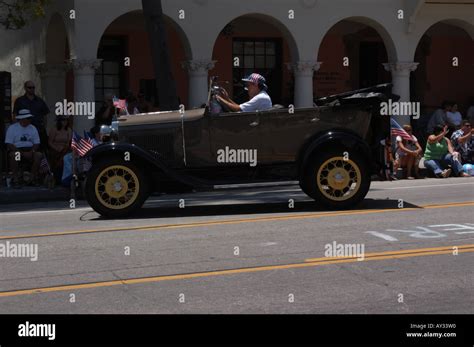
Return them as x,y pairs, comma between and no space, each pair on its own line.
256,78
23,114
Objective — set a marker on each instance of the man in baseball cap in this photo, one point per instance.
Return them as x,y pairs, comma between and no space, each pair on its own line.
23,141
256,86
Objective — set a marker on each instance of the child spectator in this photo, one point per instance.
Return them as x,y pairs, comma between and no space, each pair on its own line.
408,154
59,144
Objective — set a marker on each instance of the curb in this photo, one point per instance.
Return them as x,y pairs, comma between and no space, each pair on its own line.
31,194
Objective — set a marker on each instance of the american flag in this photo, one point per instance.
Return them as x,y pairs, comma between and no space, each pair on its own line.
119,103
397,130
81,146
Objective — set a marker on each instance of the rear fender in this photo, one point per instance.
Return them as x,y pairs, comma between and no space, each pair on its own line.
333,139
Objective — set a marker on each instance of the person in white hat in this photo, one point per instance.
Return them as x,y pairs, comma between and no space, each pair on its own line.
256,86
23,142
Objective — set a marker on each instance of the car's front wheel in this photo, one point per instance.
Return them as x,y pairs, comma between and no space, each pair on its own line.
335,180
116,188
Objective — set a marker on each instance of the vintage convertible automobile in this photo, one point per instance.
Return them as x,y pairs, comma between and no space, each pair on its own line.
331,149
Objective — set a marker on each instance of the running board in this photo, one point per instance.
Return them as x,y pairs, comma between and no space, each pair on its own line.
256,185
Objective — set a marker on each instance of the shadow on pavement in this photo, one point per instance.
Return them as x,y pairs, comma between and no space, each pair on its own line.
253,209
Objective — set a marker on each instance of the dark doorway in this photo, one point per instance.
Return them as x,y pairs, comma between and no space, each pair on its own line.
110,78
371,57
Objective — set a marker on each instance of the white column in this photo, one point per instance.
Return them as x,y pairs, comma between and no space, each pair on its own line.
84,88
53,83
198,80
401,83
304,72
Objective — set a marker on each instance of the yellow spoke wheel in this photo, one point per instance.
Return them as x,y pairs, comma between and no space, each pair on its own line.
117,187
339,179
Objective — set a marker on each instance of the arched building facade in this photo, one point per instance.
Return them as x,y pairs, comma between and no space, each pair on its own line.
306,49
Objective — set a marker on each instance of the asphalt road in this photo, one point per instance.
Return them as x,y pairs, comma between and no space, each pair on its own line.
248,251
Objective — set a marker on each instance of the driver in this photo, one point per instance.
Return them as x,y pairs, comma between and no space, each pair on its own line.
259,99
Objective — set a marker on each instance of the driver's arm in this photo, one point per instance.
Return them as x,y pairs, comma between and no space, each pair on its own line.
229,103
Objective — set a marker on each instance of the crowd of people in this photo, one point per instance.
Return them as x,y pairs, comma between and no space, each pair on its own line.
449,148
28,143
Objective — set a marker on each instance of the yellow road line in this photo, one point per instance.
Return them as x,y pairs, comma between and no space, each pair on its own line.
380,256
236,221
400,253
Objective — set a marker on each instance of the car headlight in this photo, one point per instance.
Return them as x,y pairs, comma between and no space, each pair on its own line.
109,132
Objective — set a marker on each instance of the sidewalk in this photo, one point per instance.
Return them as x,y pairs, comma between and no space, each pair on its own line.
33,194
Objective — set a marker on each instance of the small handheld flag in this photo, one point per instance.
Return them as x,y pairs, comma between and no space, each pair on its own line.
397,130
81,146
119,103
44,166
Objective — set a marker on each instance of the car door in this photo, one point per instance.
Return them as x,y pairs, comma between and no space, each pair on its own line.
235,142
282,134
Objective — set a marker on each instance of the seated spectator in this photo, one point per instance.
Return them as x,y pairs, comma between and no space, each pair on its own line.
463,142
408,154
37,107
96,139
439,154
23,143
106,112
59,145
387,169
454,118
143,106
439,116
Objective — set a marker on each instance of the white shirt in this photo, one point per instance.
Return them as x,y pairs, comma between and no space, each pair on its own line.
259,102
411,145
22,137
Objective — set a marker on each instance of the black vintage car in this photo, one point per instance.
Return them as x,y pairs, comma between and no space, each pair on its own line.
329,149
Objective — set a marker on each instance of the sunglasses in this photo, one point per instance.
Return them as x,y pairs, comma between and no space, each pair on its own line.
30,87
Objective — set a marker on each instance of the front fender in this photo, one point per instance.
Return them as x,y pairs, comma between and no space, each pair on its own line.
121,149
333,139
144,158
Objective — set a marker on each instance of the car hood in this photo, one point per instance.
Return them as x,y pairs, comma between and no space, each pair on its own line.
160,117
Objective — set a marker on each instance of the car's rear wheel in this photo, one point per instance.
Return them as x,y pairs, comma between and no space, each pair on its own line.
115,188
336,181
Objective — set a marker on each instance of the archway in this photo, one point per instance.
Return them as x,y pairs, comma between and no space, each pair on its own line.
127,64
445,54
256,43
352,54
